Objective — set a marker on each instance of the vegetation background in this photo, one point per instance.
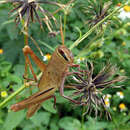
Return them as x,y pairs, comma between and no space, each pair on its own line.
111,42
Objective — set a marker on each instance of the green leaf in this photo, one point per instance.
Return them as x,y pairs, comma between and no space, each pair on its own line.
12,30
13,119
13,78
60,99
4,68
31,127
93,124
41,118
127,94
49,106
19,70
54,122
13,50
69,123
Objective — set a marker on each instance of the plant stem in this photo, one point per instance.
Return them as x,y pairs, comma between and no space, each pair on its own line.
26,85
26,36
12,96
25,43
94,27
86,48
82,119
47,45
64,24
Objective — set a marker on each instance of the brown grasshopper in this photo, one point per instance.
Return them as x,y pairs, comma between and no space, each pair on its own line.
53,77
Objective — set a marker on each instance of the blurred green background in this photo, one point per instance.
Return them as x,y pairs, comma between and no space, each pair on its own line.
109,42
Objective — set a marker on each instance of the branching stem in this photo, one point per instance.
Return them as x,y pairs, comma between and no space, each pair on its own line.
94,27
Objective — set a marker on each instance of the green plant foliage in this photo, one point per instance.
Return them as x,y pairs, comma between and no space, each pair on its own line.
17,118
92,124
109,43
69,123
49,106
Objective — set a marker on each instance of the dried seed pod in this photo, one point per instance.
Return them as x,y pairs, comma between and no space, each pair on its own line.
89,87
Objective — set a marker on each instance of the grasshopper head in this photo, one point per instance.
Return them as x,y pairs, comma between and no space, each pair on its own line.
65,54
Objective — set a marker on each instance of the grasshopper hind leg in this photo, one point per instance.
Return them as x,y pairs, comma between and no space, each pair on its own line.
32,109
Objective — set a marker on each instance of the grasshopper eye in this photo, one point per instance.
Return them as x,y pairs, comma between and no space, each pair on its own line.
63,54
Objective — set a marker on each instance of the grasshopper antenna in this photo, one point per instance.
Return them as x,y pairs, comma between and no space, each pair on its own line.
61,32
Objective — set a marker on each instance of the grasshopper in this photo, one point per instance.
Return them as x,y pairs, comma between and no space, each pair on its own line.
53,77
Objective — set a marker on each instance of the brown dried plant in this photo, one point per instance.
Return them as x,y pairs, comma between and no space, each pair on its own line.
89,87
28,9
95,11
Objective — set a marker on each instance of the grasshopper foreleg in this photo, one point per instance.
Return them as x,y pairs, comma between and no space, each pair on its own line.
62,88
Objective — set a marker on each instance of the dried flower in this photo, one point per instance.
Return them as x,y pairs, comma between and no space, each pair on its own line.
95,11
89,87
29,9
